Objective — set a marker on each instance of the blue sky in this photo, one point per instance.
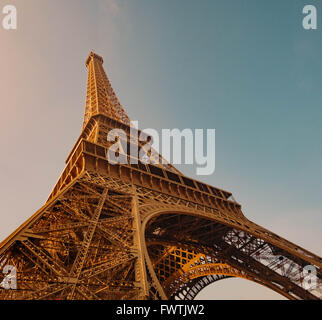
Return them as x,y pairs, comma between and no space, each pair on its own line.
246,68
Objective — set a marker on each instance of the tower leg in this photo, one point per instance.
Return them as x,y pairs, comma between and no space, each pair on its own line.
140,267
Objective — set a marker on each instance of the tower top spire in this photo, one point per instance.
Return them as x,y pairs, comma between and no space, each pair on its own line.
93,55
100,97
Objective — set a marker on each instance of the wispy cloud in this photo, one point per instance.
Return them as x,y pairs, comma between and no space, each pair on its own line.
112,7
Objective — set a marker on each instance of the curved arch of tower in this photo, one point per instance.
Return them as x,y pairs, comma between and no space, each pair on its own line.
140,231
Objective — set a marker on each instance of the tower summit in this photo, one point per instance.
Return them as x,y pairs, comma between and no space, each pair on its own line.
140,231
100,97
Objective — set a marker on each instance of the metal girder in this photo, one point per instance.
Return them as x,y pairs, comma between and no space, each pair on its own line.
118,260
41,256
46,291
82,253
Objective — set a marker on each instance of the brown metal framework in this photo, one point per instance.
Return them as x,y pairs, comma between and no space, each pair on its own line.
140,231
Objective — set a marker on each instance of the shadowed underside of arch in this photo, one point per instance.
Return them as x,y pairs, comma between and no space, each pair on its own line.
193,287
188,252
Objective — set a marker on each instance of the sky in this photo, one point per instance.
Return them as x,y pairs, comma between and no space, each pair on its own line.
246,68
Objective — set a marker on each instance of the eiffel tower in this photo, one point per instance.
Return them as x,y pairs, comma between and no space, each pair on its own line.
141,231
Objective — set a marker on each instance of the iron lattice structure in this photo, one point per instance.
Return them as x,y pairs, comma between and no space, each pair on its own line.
141,231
